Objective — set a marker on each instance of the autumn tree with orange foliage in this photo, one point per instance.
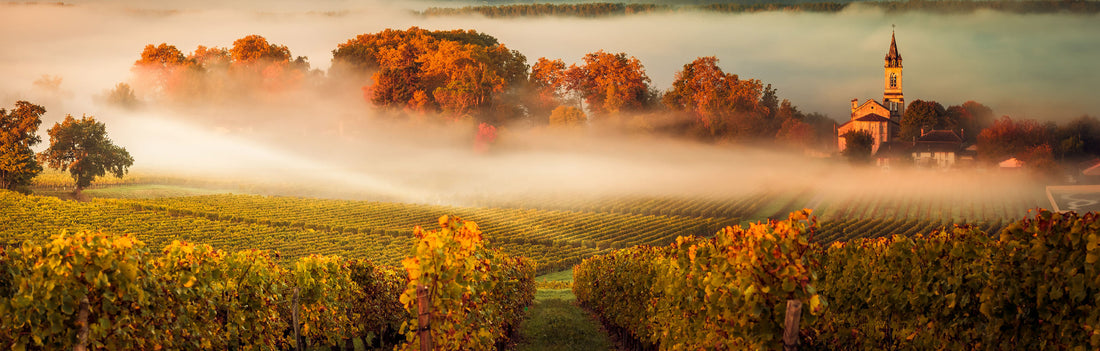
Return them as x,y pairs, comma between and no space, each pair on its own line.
1008,138
547,86
567,116
724,105
458,73
251,68
611,83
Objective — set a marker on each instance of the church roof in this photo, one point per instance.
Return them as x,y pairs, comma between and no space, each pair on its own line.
871,117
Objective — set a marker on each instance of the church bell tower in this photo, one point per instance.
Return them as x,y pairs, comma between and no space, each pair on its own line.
891,94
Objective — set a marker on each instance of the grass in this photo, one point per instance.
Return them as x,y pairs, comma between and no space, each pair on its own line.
562,276
150,191
555,323
555,294
143,191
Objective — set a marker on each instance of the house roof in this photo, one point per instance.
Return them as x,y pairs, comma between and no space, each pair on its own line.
937,146
896,149
1010,163
947,136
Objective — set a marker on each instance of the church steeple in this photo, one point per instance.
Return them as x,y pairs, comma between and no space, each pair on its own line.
892,97
892,57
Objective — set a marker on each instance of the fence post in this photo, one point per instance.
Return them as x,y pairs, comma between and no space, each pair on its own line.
294,317
82,320
790,328
424,317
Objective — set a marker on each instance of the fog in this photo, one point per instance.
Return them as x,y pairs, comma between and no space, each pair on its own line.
1026,66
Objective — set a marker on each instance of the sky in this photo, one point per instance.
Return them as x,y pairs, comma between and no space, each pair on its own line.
1025,66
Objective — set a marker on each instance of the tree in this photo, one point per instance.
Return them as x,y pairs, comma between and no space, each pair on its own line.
255,48
920,114
795,132
1007,138
252,67
18,132
722,103
610,83
1079,139
567,116
82,148
547,85
1040,160
858,145
971,117
162,69
122,96
460,73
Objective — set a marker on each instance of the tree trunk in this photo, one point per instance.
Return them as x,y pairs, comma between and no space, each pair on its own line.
78,195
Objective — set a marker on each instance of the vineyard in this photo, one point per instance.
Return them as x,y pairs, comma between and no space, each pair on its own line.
1031,286
556,232
358,229
883,214
105,291
642,264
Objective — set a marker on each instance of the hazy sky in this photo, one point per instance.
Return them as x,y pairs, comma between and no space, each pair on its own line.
1035,66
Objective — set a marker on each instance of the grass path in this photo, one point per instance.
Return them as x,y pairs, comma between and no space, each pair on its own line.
556,323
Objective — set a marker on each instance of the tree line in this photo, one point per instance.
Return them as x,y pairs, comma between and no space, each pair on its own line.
592,10
468,75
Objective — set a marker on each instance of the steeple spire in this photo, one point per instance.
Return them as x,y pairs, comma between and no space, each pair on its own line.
893,59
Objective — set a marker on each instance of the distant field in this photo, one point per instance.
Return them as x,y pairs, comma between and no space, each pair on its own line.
556,232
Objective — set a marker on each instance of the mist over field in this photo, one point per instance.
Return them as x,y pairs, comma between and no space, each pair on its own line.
1026,66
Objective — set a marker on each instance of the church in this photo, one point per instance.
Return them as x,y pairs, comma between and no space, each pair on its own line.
881,119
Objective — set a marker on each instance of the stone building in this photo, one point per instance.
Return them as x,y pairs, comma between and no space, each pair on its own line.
881,119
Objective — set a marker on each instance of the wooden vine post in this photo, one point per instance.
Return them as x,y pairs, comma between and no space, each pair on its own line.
790,328
294,319
82,321
424,317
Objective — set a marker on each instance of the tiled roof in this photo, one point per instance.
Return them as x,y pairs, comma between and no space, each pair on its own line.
946,136
871,117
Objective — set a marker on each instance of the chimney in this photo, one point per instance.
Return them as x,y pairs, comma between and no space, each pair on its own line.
855,104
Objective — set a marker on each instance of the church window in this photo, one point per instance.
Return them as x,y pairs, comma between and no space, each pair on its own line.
893,80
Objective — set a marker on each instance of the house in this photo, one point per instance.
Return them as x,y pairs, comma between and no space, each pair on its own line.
935,148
